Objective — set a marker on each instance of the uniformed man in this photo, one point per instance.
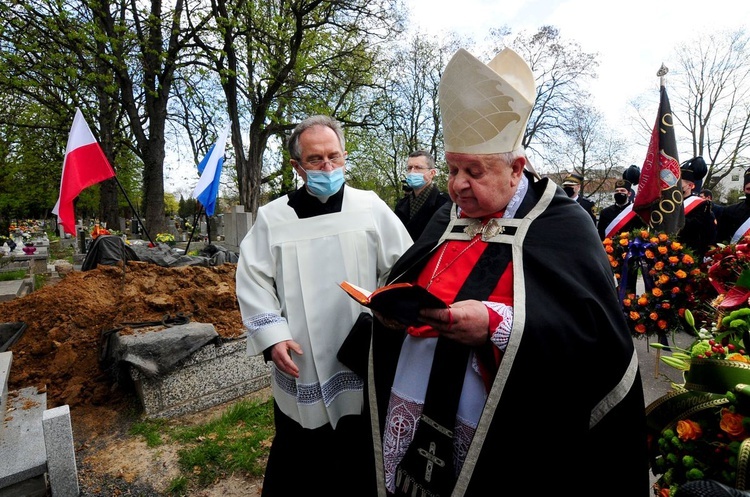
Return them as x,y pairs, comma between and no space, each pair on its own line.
734,222
699,232
572,185
619,216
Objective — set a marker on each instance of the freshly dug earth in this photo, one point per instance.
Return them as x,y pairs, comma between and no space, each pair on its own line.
59,354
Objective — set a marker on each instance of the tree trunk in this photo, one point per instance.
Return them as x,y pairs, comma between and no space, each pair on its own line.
109,212
153,185
250,195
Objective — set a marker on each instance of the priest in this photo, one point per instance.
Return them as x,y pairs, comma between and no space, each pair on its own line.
529,378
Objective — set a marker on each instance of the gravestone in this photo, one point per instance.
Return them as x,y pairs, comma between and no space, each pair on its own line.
237,223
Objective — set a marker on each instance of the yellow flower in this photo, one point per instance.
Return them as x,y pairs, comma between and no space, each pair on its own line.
164,237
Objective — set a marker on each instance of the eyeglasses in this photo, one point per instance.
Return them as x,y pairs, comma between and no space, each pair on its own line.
416,168
335,160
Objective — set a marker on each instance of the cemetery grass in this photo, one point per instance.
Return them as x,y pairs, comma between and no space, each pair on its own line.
237,441
16,274
218,452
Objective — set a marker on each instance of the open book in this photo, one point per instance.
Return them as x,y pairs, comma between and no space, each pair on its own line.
400,301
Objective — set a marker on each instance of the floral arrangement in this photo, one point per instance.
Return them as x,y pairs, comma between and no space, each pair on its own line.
721,270
98,231
669,272
24,228
702,429
167,238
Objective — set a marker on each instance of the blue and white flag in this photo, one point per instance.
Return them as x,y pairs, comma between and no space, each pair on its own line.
207,189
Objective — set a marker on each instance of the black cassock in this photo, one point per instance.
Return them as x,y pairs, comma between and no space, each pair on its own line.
565,414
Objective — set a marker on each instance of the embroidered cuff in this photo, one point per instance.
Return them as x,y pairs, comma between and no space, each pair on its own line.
501,322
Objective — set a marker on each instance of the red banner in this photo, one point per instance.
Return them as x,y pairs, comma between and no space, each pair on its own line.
659,198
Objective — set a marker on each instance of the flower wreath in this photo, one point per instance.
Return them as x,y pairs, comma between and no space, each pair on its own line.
668,270
701,430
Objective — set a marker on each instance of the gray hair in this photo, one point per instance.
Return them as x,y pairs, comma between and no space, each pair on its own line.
424,153
319,120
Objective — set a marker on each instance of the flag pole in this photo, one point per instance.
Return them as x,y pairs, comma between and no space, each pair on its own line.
134,211
662,72
196,219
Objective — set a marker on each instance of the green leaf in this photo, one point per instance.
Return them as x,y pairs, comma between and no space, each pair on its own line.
744,279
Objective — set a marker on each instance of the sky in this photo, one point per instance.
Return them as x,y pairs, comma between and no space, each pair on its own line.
632,38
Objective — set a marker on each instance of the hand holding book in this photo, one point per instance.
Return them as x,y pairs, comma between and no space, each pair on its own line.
399,301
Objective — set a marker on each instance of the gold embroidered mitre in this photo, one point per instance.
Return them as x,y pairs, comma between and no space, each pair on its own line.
485,108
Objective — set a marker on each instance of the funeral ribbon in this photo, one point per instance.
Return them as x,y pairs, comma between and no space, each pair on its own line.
637,252
717,376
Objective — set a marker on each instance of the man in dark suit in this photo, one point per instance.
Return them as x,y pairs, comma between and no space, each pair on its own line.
572,185
418,205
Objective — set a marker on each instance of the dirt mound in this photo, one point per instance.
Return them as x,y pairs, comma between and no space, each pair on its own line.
59,351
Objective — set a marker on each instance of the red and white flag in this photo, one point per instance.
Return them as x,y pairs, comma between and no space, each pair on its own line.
85,165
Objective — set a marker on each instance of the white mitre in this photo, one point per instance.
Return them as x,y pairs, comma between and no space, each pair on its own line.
485,108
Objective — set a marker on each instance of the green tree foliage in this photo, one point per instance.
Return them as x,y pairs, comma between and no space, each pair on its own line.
51,64
281,61
407,115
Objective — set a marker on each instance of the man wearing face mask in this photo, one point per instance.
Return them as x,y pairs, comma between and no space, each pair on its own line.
572,185
619,216
299,249
734,222
417,207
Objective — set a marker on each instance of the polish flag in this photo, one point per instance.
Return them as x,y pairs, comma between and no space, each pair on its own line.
85,165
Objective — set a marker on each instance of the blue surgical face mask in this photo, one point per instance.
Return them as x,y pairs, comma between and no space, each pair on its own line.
415,180
325,183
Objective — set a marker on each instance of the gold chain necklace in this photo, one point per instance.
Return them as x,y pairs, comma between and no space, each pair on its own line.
436,273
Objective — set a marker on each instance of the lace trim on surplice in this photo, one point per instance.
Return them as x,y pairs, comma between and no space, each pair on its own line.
400,428
310,393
